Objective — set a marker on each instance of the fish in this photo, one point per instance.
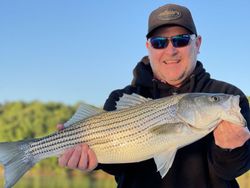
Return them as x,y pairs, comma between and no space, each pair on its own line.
139,129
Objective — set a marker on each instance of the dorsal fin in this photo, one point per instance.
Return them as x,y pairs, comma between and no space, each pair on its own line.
127,101
84,111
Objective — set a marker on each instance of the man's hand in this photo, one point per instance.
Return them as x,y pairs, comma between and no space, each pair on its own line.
230,136
80,157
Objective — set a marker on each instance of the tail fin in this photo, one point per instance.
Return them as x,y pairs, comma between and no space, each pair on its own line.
16,160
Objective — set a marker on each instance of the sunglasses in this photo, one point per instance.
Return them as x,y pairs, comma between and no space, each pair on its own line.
177,41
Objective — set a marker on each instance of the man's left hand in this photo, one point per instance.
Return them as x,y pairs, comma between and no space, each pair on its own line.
230,136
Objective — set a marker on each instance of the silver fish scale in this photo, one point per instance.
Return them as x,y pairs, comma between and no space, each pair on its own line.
126,128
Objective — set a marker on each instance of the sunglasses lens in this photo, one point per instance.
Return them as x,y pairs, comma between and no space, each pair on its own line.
180,41
159,42
177,41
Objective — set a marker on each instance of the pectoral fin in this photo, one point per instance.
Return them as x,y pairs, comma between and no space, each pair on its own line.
169,128
164,161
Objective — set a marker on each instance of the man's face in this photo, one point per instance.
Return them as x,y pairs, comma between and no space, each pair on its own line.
173,64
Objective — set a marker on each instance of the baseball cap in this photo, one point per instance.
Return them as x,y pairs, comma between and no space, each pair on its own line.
171,14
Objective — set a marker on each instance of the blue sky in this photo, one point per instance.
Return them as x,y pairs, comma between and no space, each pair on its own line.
81,50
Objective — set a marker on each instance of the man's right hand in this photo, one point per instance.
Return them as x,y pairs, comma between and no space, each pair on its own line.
79,157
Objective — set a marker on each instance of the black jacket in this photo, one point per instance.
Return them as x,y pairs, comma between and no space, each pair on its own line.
201,164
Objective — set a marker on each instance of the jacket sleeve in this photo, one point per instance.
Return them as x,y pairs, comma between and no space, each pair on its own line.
115,95
230,164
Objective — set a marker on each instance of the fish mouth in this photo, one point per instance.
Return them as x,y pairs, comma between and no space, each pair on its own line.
236,112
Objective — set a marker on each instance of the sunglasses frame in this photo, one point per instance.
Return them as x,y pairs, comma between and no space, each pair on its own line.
170,39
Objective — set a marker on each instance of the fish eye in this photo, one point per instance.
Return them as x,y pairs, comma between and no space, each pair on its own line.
214,98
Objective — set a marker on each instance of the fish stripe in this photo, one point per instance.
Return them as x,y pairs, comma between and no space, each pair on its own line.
85,129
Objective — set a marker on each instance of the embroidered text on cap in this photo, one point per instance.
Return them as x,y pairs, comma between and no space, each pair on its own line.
169,14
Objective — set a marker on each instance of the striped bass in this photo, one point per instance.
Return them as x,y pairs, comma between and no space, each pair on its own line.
155,128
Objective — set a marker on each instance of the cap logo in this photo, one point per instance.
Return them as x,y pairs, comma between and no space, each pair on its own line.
169,14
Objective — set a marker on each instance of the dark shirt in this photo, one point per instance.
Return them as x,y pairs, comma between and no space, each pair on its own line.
200,164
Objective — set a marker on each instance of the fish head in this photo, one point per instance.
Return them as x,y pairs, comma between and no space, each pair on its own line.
206,110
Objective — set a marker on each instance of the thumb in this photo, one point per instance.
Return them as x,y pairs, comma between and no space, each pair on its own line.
59,127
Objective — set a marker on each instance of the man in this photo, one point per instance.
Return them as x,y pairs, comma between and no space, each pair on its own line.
172,67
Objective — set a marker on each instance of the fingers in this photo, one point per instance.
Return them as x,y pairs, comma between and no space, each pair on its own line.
81,157
75,156
83,162
63,160
230,136
92,160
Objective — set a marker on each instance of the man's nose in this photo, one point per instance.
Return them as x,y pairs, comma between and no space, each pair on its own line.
170,49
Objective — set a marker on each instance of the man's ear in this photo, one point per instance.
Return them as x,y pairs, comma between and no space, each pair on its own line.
198,43
147,44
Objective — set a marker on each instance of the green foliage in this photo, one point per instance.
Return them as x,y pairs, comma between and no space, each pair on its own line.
20,120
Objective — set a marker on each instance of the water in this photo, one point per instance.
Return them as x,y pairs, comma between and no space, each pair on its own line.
100,180
59,182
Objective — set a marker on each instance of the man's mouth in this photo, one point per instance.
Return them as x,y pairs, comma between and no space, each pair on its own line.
169,62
